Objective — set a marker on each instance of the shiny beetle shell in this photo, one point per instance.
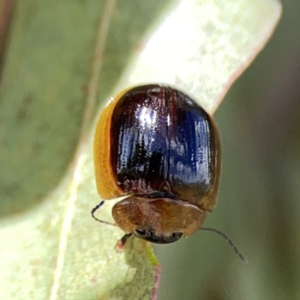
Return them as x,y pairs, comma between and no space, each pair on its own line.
159,147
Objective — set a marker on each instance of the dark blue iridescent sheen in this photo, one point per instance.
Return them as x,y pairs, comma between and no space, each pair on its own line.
162,140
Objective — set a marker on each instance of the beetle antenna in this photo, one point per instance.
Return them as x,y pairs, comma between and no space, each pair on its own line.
93,214
230,242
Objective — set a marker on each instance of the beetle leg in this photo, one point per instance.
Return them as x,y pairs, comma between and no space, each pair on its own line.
123,240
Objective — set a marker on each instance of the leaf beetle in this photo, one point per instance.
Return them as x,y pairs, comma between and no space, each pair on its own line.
161,150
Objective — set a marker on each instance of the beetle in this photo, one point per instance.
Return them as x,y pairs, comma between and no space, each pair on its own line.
159,148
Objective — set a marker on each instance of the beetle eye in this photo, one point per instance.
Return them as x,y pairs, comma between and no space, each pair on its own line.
142,233
150,236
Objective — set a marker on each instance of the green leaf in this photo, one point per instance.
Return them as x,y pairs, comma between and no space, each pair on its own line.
63,60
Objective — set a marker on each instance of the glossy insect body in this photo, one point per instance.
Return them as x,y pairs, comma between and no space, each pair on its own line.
159,147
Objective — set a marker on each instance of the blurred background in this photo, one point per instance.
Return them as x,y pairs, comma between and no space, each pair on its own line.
259,122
